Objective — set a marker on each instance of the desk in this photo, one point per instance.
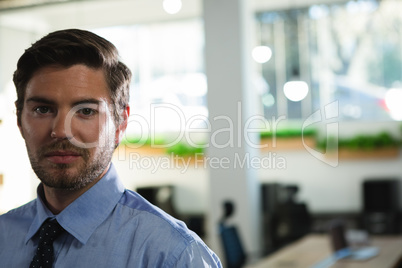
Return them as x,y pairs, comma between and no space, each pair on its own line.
312,249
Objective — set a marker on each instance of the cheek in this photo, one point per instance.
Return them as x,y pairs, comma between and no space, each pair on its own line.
94,130
86,131
34,131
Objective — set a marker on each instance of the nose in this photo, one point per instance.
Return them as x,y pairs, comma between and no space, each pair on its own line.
59,129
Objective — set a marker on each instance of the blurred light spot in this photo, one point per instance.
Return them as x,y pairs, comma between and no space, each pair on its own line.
393,100
360,6
172,6
260,84
268,100
353,111
262,54
295,90
318,11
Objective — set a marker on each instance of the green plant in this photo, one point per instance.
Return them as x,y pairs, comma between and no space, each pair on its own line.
139,140
365,142
181,149
289,133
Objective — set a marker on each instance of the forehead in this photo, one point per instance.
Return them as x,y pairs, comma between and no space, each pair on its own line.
71,83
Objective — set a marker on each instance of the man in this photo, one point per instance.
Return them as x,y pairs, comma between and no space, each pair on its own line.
72,110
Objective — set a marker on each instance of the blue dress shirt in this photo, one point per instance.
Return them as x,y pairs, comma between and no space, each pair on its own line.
107,226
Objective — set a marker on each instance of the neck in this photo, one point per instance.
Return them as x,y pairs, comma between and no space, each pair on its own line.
58,199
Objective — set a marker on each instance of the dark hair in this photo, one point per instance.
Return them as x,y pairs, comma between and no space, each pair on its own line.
69,47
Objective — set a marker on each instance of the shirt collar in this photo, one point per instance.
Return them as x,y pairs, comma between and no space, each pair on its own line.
87,212
42,214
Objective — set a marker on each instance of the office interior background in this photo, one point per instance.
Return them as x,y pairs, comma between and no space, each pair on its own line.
215,119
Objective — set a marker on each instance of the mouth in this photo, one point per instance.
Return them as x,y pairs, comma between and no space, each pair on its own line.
62,157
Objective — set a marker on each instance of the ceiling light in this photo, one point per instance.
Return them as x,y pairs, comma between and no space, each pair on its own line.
295,90
172,6
262,54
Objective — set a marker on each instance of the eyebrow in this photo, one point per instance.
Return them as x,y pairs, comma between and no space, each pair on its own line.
89,100
50,102
40,99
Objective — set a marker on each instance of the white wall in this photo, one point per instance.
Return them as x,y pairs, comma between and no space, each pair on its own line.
139,168
18,180
323,187
330,189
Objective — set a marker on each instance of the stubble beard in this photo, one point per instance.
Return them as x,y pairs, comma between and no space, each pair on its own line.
59,176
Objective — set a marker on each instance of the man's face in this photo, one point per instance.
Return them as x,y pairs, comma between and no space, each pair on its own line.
67,125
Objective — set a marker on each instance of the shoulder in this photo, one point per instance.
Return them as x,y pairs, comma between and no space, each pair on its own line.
164,233
18,219
139,207
198,255
25,211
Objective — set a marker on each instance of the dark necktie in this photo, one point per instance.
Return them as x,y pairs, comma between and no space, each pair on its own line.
43,258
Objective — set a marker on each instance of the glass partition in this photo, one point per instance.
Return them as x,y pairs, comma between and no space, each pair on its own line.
350,52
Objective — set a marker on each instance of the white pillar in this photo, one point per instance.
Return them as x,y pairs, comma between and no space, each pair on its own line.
231,102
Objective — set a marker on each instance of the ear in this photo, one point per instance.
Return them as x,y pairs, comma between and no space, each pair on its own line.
122,127
18,112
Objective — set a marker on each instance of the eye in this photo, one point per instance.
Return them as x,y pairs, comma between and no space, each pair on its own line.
42,109
87,111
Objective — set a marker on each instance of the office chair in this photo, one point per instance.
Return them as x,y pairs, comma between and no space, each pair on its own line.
231,242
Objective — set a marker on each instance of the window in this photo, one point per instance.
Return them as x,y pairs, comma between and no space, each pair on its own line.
169,83
351,53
